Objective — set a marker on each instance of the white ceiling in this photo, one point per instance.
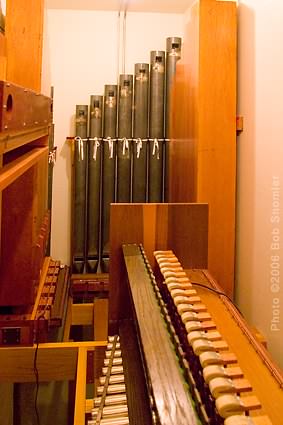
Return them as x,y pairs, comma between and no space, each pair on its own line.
163,6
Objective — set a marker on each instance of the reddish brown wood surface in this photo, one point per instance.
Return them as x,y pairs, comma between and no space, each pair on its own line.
182,227
169,389
203,130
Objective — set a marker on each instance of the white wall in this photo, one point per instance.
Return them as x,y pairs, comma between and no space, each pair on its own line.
260,167
79,58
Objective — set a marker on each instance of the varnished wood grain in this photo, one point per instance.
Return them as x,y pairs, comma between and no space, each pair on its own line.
182,227
172,401
10,172
203,131
264,385
24,32
55,361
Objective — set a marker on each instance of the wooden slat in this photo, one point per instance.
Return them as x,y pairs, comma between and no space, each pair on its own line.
82,314
40,286
55,361
24,33
9,173
80,404
13,140
203,132
100,319
264,384
172,401
182,227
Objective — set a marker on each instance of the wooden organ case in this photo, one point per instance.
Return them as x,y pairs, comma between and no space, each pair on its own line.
200,359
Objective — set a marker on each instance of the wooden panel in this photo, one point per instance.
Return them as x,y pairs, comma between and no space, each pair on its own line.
10,172
126,226
24,28
172,401
182,227
82,314
55,361
217,135
203,132
3,60
100,319
79,415
264,384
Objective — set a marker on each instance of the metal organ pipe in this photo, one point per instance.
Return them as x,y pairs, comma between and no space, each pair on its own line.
125,158
124,138
108,169
94,181
173,54
156,125
140,132
80,190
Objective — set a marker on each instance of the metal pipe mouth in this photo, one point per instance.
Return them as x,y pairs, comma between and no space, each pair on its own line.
173,44
157,56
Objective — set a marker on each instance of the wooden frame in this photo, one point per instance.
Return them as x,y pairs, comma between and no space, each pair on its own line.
62,361
202,166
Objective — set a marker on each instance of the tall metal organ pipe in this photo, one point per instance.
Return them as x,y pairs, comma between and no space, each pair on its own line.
140,132
94,181
124,136
156,125
80,190
108,169
173,54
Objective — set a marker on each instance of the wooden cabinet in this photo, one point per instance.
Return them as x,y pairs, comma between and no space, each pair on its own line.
203,131
23,155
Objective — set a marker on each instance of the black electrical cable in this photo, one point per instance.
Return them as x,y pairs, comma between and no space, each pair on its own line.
202,285
36,382
35,369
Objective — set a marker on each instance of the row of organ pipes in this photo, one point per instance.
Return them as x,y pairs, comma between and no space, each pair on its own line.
121,153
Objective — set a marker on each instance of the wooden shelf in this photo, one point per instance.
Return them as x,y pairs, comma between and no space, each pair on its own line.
13,140
9,173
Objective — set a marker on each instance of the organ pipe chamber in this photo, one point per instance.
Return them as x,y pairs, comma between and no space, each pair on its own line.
121,153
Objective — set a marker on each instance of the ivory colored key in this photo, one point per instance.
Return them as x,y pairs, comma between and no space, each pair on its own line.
164,262
111,411
180,280
203,345
196,325
111,421
181,296
213,358
117,353
112,389
221,386
211,336
174,274
114,379
174,267
111,400
217,371
114,370
163,252
197,308
110,345
228,405
247,420
116,361
111,338
190,315
179,286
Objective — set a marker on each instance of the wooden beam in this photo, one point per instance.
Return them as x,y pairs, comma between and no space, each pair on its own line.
55,362
10,172
15,139
80,400
40,286
100,319
82,314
